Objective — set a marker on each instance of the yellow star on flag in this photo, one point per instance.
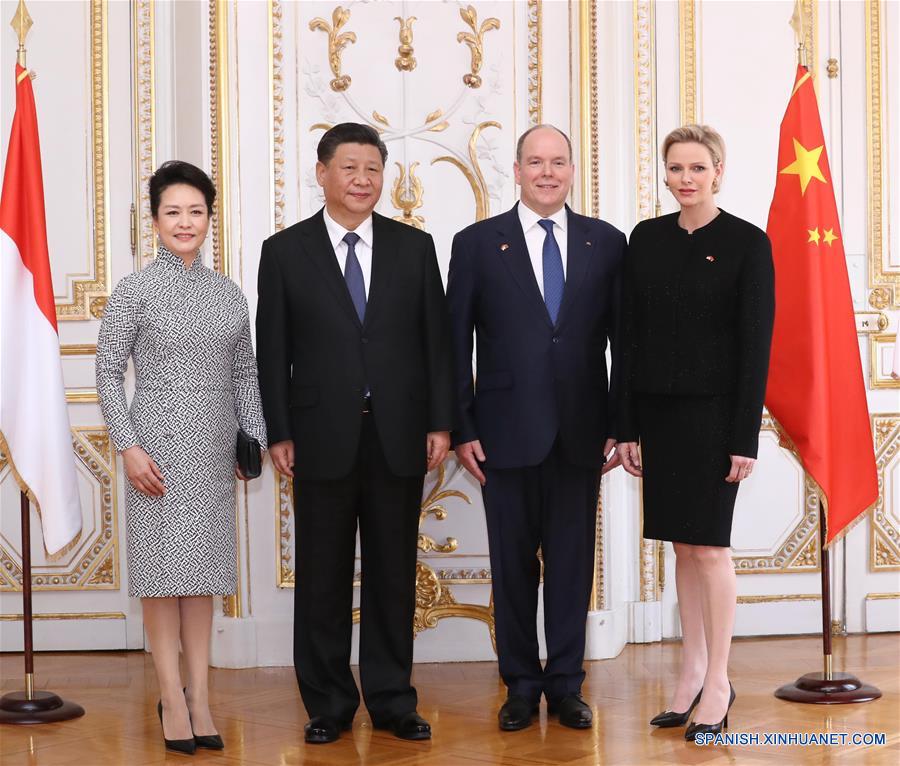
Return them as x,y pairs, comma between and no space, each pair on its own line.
830,237
805,165
813,235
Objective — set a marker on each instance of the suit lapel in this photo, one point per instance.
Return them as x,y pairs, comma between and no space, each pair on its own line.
511,247
578,249
384,260
318,245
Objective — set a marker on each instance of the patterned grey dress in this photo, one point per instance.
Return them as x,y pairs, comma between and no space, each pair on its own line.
188,331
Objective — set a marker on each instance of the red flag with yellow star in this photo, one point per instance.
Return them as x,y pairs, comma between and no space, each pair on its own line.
816,390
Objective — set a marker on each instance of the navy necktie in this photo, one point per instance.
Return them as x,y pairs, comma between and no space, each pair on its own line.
353,276
554,277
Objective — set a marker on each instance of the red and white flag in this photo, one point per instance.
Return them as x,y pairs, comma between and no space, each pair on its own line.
33,415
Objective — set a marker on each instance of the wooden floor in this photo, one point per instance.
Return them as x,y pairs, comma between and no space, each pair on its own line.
261,718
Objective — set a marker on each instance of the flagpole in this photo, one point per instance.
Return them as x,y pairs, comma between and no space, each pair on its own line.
30,706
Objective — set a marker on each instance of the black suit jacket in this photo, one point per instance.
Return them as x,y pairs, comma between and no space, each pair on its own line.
698,312
316,358
534,380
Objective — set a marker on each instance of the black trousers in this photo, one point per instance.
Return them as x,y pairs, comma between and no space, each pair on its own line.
386,508
552,506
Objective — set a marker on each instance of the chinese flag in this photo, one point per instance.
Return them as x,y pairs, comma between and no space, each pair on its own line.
816,389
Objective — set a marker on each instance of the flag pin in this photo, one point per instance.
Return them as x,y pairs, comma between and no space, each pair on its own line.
504,246
588,243
710,258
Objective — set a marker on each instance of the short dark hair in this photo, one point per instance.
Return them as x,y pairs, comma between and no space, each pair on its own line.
349,133
178,172
531,130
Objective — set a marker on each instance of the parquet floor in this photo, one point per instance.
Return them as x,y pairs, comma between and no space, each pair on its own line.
260,716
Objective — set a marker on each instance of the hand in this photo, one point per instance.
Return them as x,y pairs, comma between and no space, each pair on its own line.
470,455
437,445
283,457
142,472
616,459
630,457
741,468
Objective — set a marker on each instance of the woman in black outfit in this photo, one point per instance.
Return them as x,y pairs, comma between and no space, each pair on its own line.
698,310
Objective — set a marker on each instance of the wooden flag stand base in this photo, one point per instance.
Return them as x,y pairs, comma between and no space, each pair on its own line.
827,688
30,706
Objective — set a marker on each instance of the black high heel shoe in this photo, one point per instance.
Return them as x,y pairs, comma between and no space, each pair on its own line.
206,741
696,729
183,746
669,719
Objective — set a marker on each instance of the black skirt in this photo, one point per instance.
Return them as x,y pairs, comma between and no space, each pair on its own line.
685,458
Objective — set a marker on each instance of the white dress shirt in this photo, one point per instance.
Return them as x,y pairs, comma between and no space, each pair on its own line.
363,248
535,235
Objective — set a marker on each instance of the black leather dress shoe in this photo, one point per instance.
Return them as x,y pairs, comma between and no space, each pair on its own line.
183,746
696,729
573,712
516,713
408,726
321,730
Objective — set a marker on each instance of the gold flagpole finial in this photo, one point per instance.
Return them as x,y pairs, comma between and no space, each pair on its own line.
796,23
21,23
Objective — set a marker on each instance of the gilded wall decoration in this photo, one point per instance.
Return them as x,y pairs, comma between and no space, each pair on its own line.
472,170
276,96
884,537
84,290
406,196
884,282
475,41
645,107
337,41
92,563
405,61
687,60
143,236
881,347
219,143
535,54
590,154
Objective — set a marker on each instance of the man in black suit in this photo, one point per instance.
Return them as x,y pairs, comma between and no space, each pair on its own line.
539,286
355,373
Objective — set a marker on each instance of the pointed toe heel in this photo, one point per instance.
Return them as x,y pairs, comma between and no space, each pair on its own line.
696,729
182,746
669,719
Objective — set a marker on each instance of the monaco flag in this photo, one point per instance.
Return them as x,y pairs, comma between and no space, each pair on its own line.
33,416
816,390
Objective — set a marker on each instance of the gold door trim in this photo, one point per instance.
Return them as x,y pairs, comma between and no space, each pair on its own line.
884,534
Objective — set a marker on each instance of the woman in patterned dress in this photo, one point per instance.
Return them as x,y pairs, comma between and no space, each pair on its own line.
187,330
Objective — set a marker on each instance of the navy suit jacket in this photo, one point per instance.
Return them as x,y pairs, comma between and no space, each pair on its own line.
534,381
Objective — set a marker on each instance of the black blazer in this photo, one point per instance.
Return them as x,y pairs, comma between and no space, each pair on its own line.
698,311
534,380
316,359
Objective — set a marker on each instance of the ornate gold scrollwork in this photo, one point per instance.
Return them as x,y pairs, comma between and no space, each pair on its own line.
474,175
407,196
405,62
337,41
884,534
475,41
433,117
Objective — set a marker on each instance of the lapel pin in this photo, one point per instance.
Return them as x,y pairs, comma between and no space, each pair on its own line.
588,243
710,258
504,246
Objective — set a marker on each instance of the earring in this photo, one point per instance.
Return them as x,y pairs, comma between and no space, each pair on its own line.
715,185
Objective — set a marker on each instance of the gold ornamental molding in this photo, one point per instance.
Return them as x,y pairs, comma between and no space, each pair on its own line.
881,596
405,61
587,45
85,290
337,41
799,552
143,238
651,560
598,589
93,562
777,599
78,349
879,372
535,62
884,282
645,106
219,145
276,98
472,172
687,60
475,41
66,616
407,195
884,536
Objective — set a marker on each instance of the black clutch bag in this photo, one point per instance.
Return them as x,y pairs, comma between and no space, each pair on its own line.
249,455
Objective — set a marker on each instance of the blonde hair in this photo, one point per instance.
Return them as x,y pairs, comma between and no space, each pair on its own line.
696,134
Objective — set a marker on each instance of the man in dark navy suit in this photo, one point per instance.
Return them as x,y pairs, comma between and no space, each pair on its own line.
539,287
